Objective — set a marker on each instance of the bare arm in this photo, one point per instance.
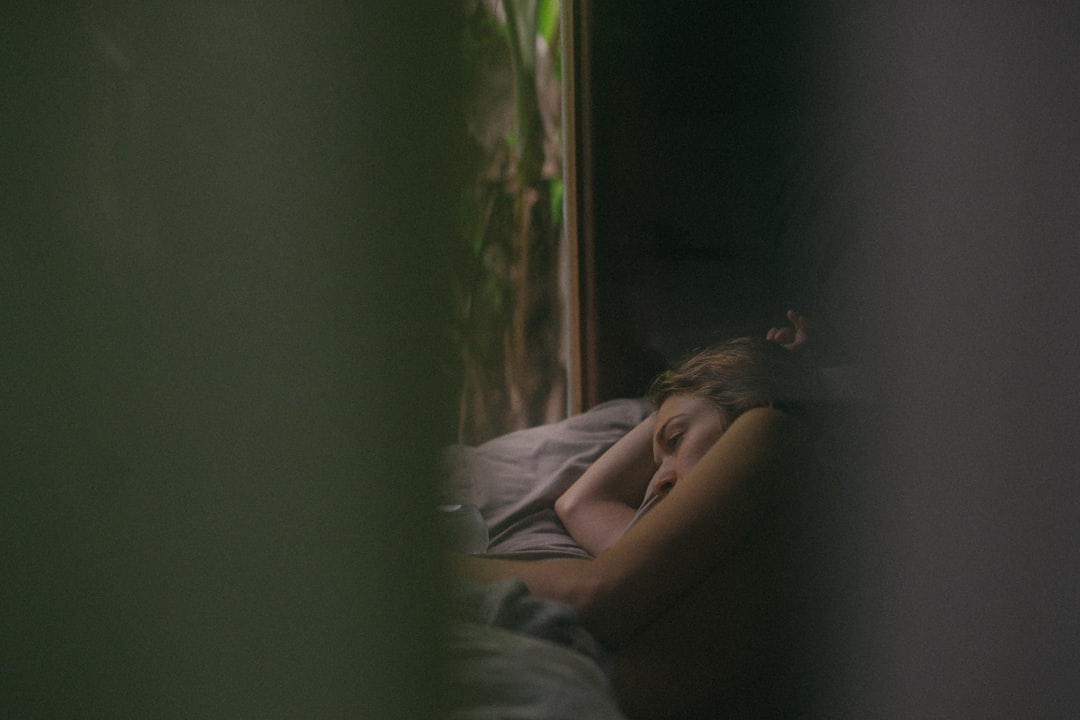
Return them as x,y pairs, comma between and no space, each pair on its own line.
674,547
597,508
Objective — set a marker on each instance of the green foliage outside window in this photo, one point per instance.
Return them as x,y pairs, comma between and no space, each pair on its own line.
508,318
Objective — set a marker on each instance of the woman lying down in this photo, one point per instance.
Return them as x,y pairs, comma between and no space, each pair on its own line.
692,525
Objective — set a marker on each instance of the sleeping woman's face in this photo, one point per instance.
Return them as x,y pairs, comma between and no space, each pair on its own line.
686,427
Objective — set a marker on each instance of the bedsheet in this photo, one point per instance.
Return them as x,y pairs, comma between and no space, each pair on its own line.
518,657
514,479
515,656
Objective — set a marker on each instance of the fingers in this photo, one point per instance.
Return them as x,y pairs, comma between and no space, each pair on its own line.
791,336
802,328
780,335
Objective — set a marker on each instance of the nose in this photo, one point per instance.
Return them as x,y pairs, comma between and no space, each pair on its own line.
664,480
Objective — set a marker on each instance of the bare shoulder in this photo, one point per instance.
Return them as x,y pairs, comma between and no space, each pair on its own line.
770,424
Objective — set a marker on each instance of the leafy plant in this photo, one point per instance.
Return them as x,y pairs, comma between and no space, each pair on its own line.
508,329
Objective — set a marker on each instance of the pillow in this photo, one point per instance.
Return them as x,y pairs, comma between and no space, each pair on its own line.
514,479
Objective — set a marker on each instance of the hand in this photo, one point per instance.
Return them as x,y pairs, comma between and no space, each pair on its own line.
794,336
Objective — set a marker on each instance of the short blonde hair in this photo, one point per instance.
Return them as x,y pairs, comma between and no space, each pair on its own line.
738,375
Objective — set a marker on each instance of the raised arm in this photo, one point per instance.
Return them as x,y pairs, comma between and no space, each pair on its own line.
674,547
597,508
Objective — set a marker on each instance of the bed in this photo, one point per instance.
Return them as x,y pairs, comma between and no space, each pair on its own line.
515,655
518,656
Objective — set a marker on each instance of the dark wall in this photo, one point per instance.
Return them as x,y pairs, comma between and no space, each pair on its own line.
955,538
715,162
